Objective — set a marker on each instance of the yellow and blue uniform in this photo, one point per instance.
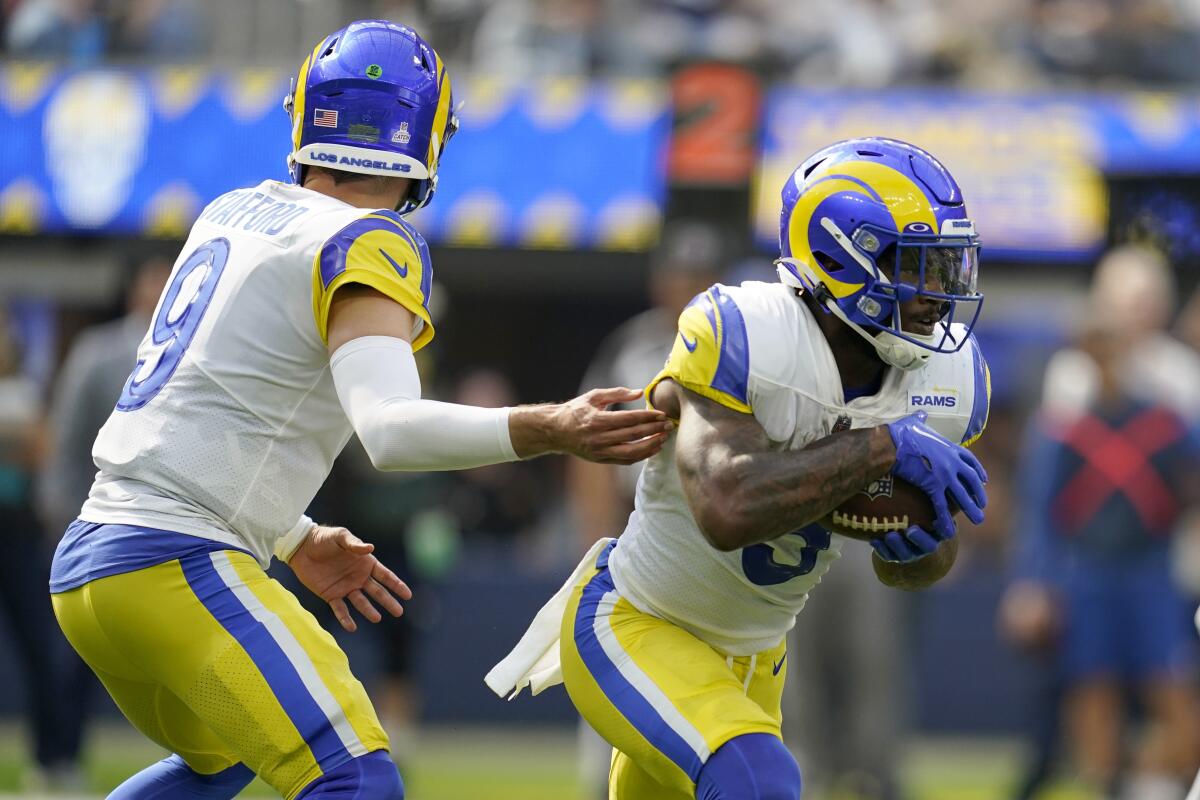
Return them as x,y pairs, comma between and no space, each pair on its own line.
673,650
224,432
663,698
218,663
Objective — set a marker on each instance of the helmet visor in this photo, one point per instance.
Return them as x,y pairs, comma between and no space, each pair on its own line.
948,271
929,267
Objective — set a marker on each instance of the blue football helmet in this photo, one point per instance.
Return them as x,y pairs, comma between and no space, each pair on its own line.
868,224
373,98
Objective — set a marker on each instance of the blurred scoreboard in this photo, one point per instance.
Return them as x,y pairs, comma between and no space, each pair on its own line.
1032,167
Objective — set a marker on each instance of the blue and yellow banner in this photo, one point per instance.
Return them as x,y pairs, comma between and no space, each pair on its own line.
563,163
555,164
1031,167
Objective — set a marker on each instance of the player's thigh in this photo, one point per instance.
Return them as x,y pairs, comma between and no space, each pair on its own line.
628,781
654,691
241,653
148,705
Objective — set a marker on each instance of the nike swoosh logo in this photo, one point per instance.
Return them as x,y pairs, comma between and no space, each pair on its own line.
401,269
779,665
691,346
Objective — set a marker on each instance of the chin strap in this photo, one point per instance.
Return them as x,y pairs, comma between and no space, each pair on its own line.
891,348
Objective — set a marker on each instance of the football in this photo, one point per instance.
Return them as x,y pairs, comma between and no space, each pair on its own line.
887,504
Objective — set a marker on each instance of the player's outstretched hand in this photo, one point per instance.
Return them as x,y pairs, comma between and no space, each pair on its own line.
585,427
338,566
937,465
907,546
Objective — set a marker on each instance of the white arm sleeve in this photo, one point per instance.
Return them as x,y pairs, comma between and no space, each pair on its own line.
380,391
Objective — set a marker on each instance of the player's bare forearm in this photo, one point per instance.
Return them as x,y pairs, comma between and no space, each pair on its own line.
742,492
920,574
585,427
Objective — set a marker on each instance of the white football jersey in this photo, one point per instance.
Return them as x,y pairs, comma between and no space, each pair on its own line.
229,422
756,348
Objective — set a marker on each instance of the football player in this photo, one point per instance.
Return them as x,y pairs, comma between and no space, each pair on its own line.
289,323
790,398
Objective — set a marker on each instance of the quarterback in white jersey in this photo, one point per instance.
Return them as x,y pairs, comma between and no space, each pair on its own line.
791,397
288,324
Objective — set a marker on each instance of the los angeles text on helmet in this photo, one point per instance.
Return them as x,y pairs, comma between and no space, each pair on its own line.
351,161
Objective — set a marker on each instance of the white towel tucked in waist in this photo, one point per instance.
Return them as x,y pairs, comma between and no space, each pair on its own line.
534,662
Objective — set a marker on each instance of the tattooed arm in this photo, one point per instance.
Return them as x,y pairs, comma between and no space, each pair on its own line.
741,492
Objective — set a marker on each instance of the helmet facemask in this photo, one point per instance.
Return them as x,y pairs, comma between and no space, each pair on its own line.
914,264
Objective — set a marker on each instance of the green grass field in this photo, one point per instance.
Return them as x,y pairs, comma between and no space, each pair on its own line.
520,764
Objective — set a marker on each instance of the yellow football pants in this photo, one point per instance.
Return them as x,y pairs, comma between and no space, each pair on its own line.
662,698
217,662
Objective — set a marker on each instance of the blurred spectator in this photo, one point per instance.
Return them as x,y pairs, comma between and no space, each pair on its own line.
89,30
65,29
159,29
25,572
538,38
1188,325
1133,291
1147,41
858,43
495,505
87,388
1103,487
666,33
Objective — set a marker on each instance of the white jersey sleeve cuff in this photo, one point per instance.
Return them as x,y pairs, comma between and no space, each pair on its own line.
287,545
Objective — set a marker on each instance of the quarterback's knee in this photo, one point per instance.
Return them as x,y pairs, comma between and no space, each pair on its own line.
370,777
754,766
173,778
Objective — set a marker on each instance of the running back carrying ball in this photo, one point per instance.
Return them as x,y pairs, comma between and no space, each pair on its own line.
887,504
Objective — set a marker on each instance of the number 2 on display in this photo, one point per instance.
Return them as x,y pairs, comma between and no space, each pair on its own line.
179,313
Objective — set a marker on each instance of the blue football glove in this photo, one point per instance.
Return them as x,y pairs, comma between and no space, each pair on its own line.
906,547
937,465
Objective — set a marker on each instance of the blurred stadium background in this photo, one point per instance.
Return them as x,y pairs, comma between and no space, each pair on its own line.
589,127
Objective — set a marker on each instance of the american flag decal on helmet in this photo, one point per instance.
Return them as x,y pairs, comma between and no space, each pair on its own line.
325,118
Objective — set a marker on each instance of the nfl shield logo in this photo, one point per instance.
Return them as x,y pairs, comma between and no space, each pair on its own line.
879,488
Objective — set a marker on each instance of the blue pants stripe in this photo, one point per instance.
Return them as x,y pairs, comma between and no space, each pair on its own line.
617,688
268,656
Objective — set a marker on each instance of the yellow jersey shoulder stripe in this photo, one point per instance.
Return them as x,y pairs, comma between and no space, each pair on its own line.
384,252
711,353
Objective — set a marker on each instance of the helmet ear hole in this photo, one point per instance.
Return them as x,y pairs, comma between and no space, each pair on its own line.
828,263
